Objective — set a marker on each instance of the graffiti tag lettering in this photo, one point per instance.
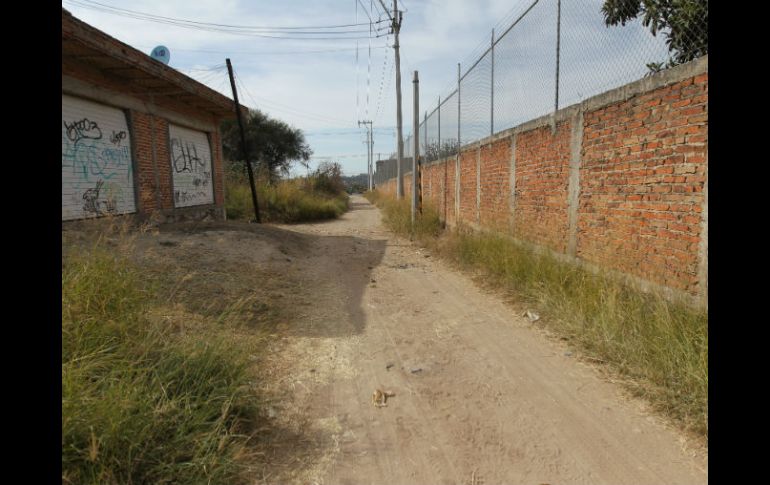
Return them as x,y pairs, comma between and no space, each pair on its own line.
185,158
94,205
183,196
117,138
202,181
85,128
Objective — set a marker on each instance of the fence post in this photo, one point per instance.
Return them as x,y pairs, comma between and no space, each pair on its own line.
416,144
438,136
425,129
492,88
457,159
558,51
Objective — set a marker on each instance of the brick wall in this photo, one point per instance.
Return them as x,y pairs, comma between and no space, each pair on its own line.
468,168
495,184
434,183
615,182
542,175
642,175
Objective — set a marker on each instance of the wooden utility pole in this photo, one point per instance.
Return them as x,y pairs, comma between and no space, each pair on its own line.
243,143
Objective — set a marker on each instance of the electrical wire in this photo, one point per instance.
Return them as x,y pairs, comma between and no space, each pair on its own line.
211,24
274,53
205,27
287,109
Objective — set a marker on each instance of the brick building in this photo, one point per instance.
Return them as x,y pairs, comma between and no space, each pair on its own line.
138,137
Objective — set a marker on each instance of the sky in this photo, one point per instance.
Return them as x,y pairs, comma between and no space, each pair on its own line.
325,86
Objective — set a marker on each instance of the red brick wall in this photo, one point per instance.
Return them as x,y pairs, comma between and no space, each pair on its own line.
542,178
408,186
219,171
468,185
641,179
388,187
145,174
433,186
494,210
451,186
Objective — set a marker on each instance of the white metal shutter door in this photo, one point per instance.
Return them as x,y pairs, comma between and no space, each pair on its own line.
96,165
190,167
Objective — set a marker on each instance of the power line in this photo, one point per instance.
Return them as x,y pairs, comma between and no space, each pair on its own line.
382,83
210,28
366,11
102,6
287,109
267,53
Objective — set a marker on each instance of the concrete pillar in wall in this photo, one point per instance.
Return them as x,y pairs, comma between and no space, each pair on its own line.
703,246
478,184
512,187
573,190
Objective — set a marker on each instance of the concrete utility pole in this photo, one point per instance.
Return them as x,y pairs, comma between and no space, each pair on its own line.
369,150
416,152
395,20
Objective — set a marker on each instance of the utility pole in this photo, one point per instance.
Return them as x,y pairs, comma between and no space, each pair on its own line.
395,20
244,147
369,144
416,152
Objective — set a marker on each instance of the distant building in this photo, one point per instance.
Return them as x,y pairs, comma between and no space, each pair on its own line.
138,137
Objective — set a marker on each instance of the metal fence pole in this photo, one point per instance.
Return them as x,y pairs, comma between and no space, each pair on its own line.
438,136
458,108
558,49
425,129
457,159
492,88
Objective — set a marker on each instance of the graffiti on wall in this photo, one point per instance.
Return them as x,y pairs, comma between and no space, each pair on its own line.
191,165
82,129
99,200
117,138
97,176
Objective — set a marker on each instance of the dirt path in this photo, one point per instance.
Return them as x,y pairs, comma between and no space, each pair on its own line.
340,308
481,396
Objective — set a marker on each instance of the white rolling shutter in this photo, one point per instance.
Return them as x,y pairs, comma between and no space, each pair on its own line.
96,165
190,167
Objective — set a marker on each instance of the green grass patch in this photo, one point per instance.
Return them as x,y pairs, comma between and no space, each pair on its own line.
139,403
661,347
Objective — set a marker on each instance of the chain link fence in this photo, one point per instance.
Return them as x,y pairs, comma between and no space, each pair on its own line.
550,54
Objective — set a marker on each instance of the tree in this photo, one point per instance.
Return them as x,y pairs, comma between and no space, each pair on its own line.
683,22
273,145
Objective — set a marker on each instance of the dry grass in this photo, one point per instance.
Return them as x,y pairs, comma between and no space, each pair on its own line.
659,347
294,200
145,314
139,403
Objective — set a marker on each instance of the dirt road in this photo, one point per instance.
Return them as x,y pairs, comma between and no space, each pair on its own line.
481,396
